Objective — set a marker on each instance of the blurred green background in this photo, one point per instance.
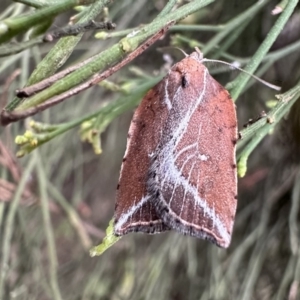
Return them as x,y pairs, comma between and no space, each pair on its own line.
62,193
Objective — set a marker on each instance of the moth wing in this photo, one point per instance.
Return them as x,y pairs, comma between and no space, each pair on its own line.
133,209
195,185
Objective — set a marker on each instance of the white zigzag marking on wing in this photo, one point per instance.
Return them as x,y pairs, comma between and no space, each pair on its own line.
176,157
190,173
167,97
168,167
177,179
185,149
198,170
191,169
123,219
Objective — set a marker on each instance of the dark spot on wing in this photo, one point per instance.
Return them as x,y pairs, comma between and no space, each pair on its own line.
184,82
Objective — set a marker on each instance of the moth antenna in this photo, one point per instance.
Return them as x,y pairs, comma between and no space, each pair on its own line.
171,47
268,84
184,53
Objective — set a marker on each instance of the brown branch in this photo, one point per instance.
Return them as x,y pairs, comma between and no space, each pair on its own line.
37,87
69,30
8,117
13,48
76,29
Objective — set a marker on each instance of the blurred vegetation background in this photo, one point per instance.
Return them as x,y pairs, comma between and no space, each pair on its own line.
57,200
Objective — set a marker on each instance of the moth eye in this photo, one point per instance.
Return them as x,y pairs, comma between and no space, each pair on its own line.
184,82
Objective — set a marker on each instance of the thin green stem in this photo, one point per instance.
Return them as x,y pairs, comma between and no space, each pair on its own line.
231,39
39,3
262,127
103,35
293,217
297,275
256,263
48,229
113,54
7,50
73,217
232,25
7,11
13,48
212,28
21,24
285,102
244,155
108,241
58,55
242,79
286,278
169,6
8,232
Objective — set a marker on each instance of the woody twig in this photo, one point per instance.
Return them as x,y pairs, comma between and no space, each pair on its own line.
8,117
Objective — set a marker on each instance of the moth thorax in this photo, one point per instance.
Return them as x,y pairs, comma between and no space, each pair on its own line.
197,55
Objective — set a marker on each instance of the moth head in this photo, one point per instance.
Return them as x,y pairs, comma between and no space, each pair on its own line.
197,55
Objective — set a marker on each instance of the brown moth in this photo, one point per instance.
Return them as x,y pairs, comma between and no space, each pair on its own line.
179,168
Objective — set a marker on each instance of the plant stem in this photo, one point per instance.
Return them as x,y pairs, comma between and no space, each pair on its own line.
241,80
21,24
48,229
232,25
113,54
59,53
8,232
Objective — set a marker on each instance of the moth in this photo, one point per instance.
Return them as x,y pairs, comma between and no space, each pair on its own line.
179,169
